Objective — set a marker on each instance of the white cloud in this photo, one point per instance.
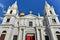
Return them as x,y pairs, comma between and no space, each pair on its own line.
4,11
1,5
1,18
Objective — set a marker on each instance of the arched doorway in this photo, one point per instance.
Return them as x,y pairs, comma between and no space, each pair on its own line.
2,37
30,36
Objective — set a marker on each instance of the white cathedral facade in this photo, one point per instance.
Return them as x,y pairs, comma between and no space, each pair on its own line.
30,27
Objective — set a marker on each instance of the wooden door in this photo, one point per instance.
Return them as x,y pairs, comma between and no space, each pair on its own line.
30,37
2,37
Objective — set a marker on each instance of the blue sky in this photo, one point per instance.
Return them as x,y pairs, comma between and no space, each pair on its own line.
29,5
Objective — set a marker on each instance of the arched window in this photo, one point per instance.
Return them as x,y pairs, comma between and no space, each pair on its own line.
11,11
4,32
57,32
50,12
54,20
58,36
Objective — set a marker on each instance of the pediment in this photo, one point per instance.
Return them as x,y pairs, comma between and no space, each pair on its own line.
30,16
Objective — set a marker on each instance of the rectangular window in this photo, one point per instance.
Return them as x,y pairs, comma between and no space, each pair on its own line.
8,20
18,23
30,24
15,37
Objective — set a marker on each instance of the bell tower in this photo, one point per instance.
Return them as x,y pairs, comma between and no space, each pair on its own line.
10,16
51,20
50,14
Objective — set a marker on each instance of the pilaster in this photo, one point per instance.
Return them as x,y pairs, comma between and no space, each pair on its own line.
38,35
24,34
0,31
53,35
42,34
20,34
8,35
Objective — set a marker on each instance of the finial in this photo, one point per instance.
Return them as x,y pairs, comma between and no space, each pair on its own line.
52,6
15,2
46,4
30,12
38,14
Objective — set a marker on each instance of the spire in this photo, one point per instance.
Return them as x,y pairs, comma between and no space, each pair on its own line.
15,5
38,14
46,4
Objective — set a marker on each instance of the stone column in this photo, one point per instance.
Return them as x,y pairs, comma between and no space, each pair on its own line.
42,35
38,34
8,35
52,34
24,34
20,34
0,31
